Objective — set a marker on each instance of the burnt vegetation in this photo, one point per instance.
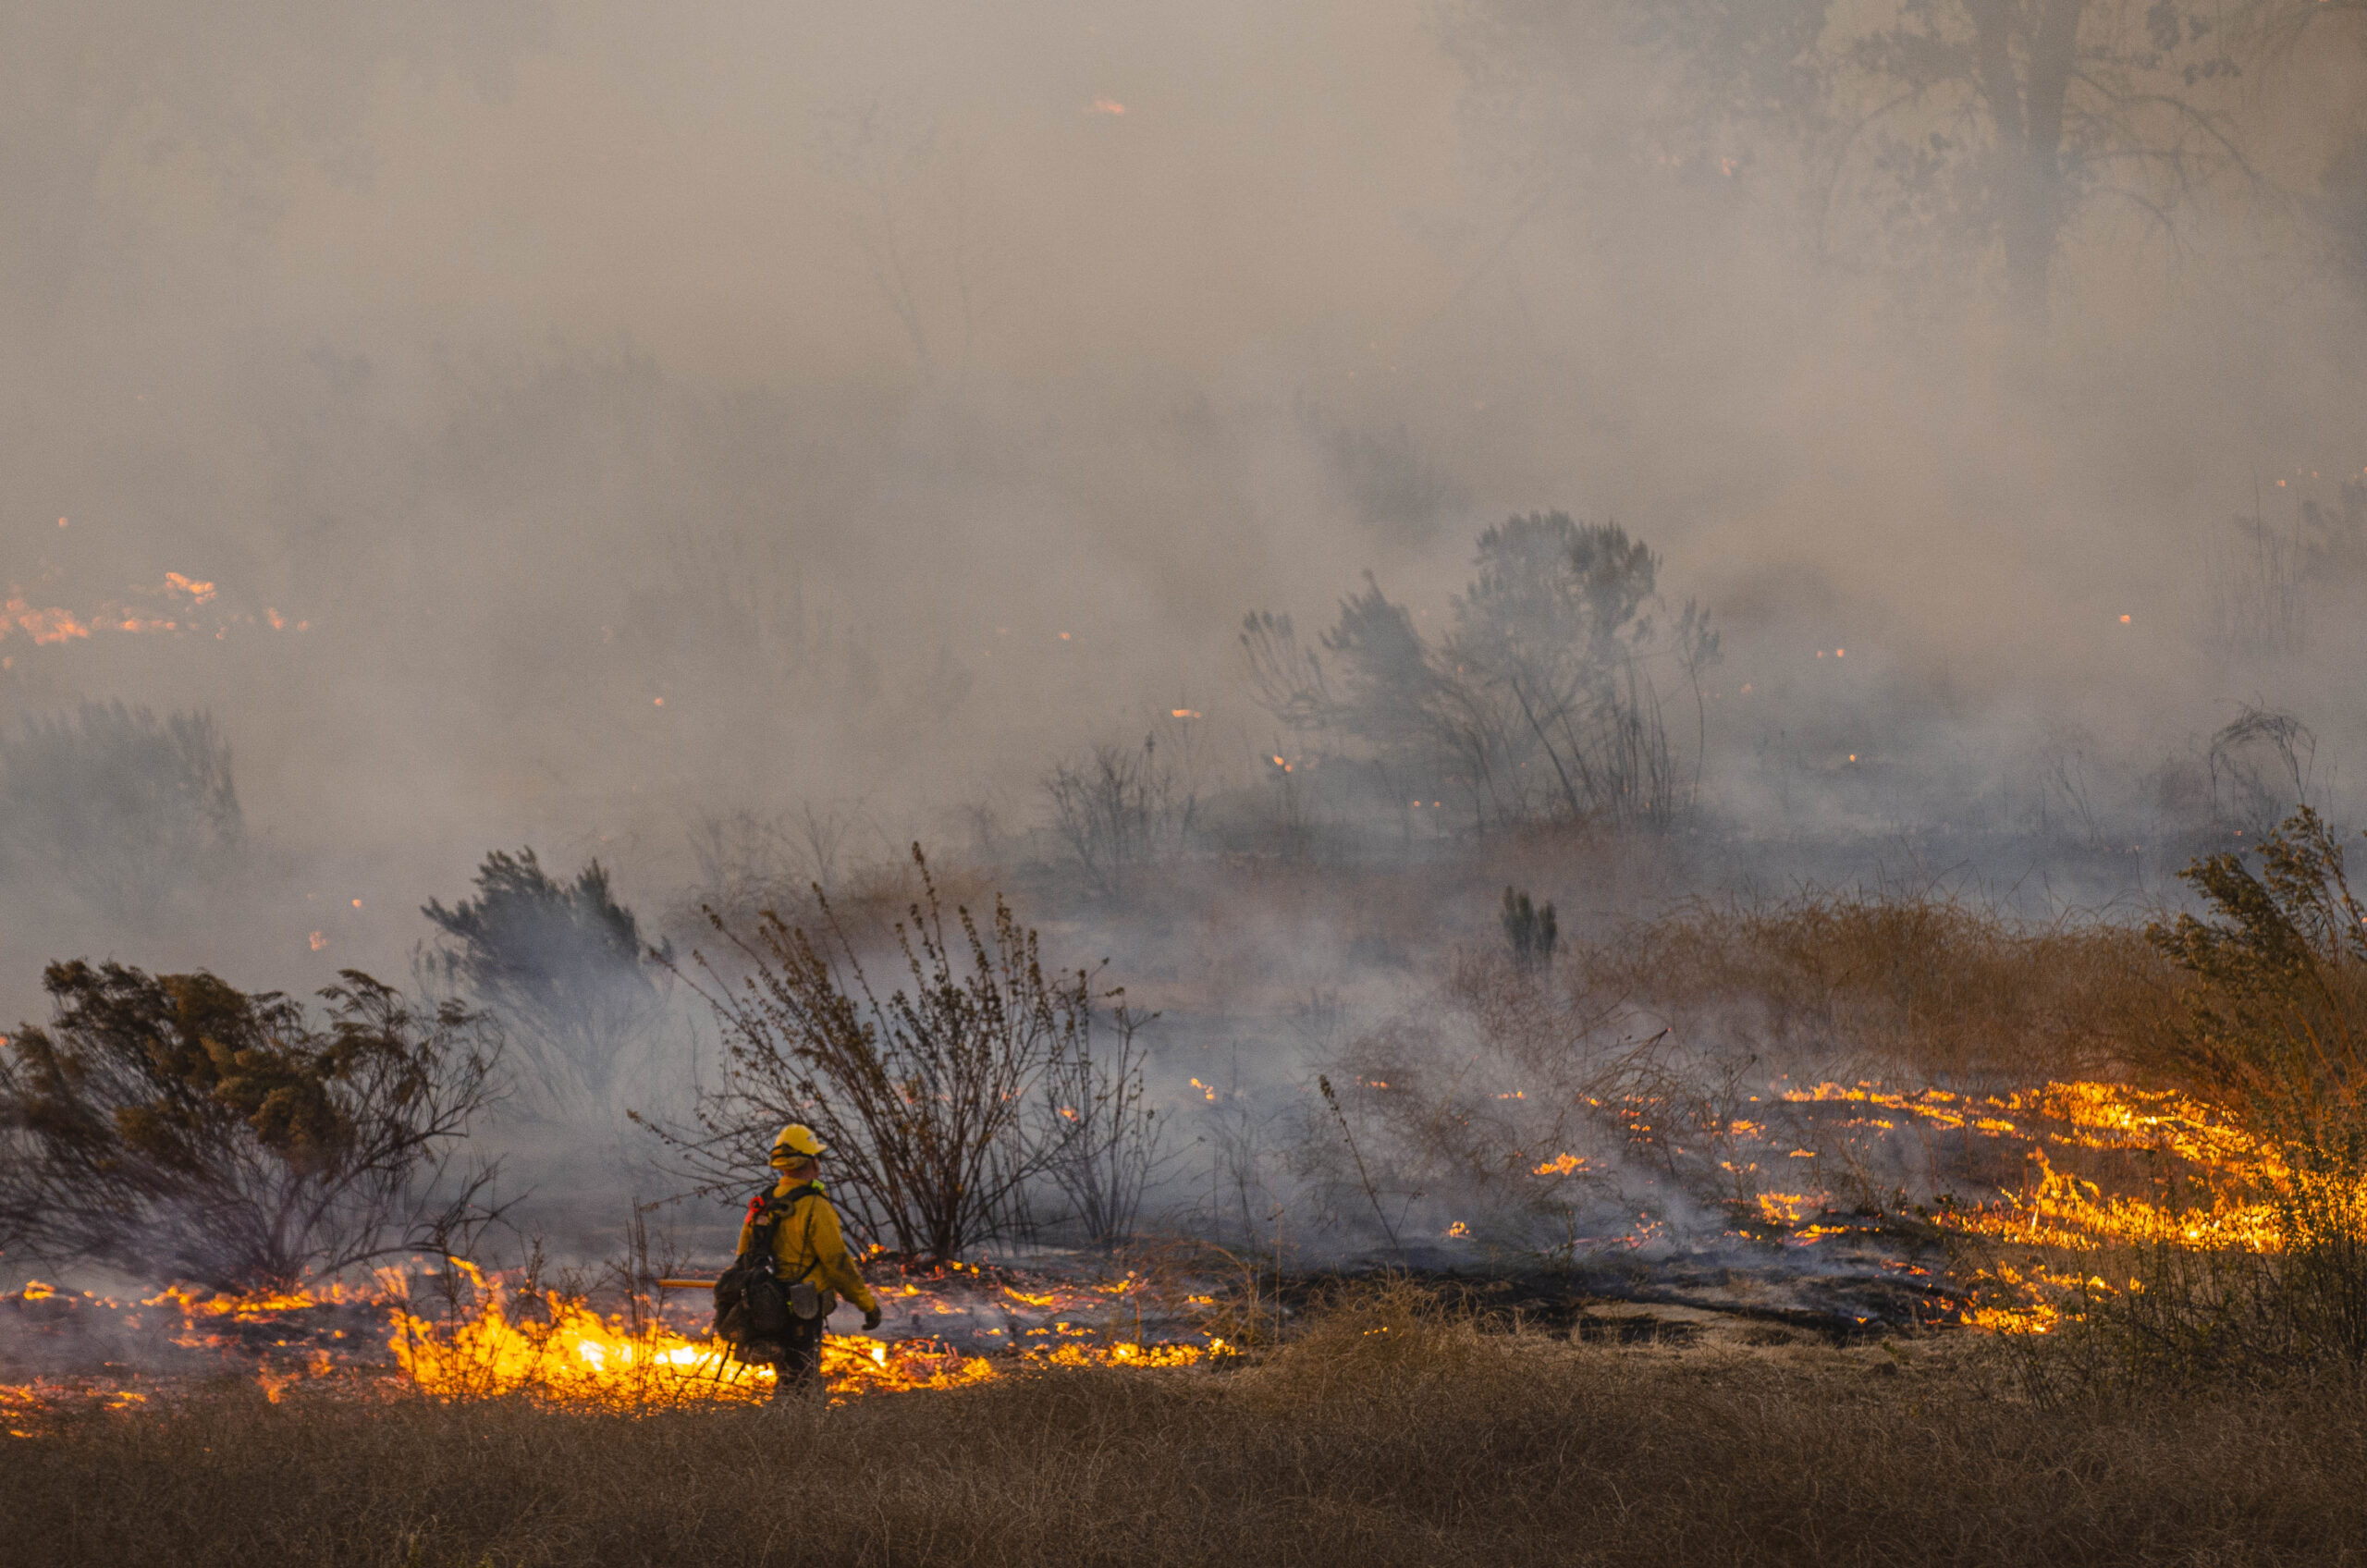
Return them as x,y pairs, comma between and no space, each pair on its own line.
1121,812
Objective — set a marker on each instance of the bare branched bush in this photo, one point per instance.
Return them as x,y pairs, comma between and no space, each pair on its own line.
747,861
117,805
924,1097
1098,1140
173,1126
1119,812
562,963
2260,764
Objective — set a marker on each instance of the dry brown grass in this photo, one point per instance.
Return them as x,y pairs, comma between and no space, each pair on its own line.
1937,986
1390,1433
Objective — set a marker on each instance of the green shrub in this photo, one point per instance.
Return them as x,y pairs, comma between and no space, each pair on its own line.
174,1127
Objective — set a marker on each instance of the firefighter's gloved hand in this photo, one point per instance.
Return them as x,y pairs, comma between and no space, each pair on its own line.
871,1321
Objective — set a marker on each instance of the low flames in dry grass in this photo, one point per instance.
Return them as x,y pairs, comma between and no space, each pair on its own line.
2119,1116
569,1354
490,1339
2216,1185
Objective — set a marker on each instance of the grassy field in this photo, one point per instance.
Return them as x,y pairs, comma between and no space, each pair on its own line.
1387,1433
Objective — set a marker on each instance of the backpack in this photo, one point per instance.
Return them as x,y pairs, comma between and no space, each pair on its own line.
753,1311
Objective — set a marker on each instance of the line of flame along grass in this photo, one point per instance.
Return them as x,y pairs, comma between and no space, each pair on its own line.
572,1354
2063,1213
580,1357
565,1351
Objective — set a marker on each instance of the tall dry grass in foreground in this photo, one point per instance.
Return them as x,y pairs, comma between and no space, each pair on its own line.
1388,1433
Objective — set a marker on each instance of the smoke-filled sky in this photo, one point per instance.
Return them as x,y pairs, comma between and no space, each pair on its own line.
564,417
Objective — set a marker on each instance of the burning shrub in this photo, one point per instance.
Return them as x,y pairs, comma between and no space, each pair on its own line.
2275,1027
173,1125
116,803
2279,1017
563,960
928,1099
2271,1028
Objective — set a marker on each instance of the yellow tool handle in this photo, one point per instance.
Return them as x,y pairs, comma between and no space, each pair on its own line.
686,1284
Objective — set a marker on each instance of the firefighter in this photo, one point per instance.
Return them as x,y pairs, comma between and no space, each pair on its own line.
807,1246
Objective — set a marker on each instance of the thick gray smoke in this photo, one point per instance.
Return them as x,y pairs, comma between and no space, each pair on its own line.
594,425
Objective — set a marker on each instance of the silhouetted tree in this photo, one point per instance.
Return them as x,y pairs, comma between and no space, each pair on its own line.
1986,125
1536,703
563,962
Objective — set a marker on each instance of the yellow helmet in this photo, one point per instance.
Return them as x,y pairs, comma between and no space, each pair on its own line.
796,1141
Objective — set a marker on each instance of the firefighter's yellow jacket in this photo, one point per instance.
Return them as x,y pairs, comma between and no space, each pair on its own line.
808,1237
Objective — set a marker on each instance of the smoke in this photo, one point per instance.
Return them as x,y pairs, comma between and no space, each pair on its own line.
586,421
